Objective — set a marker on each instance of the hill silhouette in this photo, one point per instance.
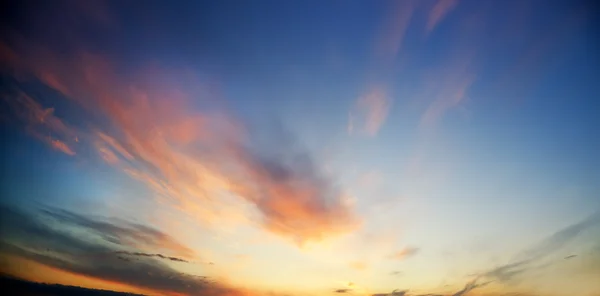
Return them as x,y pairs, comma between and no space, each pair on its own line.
15,286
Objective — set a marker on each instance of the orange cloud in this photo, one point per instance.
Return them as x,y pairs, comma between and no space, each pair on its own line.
404,253
192,158
359,265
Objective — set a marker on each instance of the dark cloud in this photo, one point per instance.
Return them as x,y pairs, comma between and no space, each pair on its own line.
471,286
393,293
532,258
396,273
121,233
341,291
38,236
570,257
559,239
161,256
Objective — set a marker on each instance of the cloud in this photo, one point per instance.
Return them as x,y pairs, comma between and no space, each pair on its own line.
61,146
40,122
151,255
404,253
531,258
194,159
359,265
370,112
342,291
393,293
123,233
448,89
470,286
394,28
44,237
570,257
438,12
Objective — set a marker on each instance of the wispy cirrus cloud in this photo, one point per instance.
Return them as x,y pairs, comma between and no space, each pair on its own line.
188,156
370,112
134,235
156,255
533,258
52,244
438,12
41,122
404,253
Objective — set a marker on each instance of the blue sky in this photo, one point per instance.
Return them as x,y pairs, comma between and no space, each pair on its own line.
371,145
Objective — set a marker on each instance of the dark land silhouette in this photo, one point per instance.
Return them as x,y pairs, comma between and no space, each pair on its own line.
14,286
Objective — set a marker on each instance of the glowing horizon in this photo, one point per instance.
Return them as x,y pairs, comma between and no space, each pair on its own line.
424,147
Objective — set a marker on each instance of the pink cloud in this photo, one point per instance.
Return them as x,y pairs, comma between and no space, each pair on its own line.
190,157
370,112
438,12
61,146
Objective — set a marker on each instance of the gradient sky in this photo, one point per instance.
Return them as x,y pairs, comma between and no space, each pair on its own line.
302,147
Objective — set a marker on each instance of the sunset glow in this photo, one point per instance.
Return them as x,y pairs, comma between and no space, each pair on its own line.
228,148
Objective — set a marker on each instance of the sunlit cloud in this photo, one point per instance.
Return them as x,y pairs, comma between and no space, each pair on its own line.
41,122
61,146
404,253
190,158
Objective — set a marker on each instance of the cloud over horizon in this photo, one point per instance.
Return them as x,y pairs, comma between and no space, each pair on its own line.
28,234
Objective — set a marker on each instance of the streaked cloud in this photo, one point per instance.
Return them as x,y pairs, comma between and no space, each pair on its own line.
371,108
438,12
470,286
448,88
533,258
35,239
156,255
61,146
190,158
125,233
394,27
370,112
393,293
404,253
41,122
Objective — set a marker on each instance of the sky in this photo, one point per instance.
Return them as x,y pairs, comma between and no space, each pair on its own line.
310,148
